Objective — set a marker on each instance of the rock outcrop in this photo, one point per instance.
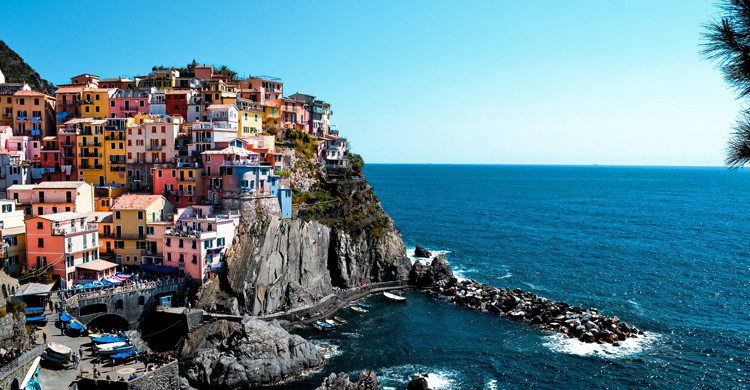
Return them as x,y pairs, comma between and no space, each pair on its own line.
423,275
211,298
253,354
421,252
586,325
418,382
341,381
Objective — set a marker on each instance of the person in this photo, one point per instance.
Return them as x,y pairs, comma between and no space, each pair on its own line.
76,361
44,337
80,352
96,371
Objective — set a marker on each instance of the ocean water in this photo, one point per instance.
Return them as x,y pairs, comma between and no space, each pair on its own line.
665,249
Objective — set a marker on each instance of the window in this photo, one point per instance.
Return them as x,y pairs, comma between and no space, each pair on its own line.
40,242
40,225
117,214
119,304
140,215
141,300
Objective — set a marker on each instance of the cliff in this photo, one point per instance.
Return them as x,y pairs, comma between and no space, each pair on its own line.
16,70
284,264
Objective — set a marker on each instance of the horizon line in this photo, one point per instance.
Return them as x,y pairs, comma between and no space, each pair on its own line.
559,165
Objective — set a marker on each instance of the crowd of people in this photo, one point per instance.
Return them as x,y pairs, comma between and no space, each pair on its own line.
136,282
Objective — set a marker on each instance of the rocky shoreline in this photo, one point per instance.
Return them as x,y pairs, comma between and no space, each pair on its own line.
586,325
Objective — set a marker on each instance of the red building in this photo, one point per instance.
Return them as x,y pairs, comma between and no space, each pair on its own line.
181,184
66,141
50,159
177,103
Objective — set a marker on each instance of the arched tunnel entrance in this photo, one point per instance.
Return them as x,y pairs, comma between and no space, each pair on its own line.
164,331
109,323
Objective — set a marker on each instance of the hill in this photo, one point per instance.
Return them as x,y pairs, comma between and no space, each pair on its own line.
16,70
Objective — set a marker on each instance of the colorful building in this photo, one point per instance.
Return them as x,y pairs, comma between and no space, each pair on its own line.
13,170
60,242
33,114
132,214
12,237
153,141
67,139
68,102
127,103
198,241
90,149
270,88
96,102
51,197
180,183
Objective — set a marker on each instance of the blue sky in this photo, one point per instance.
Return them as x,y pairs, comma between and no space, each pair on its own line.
544,82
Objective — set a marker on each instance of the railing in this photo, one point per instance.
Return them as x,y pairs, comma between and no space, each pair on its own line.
136,286
25,358
62,231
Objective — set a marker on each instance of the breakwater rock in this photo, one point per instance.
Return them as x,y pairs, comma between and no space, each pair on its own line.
587,325
255,353
341,381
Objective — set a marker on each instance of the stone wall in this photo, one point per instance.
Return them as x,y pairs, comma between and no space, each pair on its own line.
163,378
13,332
135,305
14,372
8,287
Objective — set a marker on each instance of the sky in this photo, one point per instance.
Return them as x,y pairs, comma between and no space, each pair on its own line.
495,82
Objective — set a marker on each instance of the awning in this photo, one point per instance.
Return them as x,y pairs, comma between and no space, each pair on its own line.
34,289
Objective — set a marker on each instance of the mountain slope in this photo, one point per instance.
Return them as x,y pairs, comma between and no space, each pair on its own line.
16,70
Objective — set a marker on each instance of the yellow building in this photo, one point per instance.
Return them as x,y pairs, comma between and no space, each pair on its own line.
250,122
90,149
271,116
95,103
6,109
132,214
115,172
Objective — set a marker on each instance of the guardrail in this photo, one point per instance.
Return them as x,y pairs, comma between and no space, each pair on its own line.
22,360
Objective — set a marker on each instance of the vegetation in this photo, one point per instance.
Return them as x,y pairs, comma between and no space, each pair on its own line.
37,275
190,69
728,43
16,70
304,145
356,162
284,173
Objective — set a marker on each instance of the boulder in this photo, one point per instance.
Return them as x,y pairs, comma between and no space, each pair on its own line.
421,252
257,354
338,381
418,382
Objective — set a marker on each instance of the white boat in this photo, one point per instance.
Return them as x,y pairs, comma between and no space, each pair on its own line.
110,348
394,297
359,309
332,322
57,353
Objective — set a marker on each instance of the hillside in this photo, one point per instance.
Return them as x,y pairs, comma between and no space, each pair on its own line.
16,70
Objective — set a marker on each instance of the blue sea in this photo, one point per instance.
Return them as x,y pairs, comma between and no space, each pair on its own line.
665,249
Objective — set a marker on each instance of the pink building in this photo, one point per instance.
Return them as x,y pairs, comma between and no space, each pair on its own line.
61,241
153,141
128,103
198,241
181,183
294,115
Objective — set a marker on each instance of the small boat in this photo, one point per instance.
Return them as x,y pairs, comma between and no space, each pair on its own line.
359,309
57,353
108,339
125,356
394,297
36,310
65,317
332,322
320,325
37,320
113,348
76,328
363,305
340,320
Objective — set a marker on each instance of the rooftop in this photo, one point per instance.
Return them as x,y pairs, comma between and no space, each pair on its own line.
135,202
66,216
34,289
96,265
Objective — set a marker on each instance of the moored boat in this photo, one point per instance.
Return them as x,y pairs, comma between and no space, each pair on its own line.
332,322
363,305
36,320
340,320
107,339
57,353
113,348
394,297
321,325
359,309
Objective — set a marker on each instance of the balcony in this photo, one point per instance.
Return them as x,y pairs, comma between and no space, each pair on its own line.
73,229
154,147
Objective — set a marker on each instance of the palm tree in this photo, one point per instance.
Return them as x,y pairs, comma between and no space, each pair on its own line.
728,43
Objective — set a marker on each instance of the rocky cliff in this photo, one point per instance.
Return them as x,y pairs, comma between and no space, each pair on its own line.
276,264
16,70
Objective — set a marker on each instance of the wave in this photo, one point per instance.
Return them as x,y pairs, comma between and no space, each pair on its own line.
628,348
491,384
437,379
329,349
434,252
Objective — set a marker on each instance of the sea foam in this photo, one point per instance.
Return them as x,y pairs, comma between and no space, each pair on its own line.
437,379
628,348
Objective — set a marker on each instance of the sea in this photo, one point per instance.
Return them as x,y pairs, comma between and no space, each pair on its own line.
666,249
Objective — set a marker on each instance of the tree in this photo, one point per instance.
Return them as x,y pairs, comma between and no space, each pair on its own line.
728,43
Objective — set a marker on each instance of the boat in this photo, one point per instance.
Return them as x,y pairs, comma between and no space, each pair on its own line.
65,317
76,328
320,325
340,320
332,322
113,348
394,297
122,357
359,309
363,305
36,320
108,339
36,310
57,353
